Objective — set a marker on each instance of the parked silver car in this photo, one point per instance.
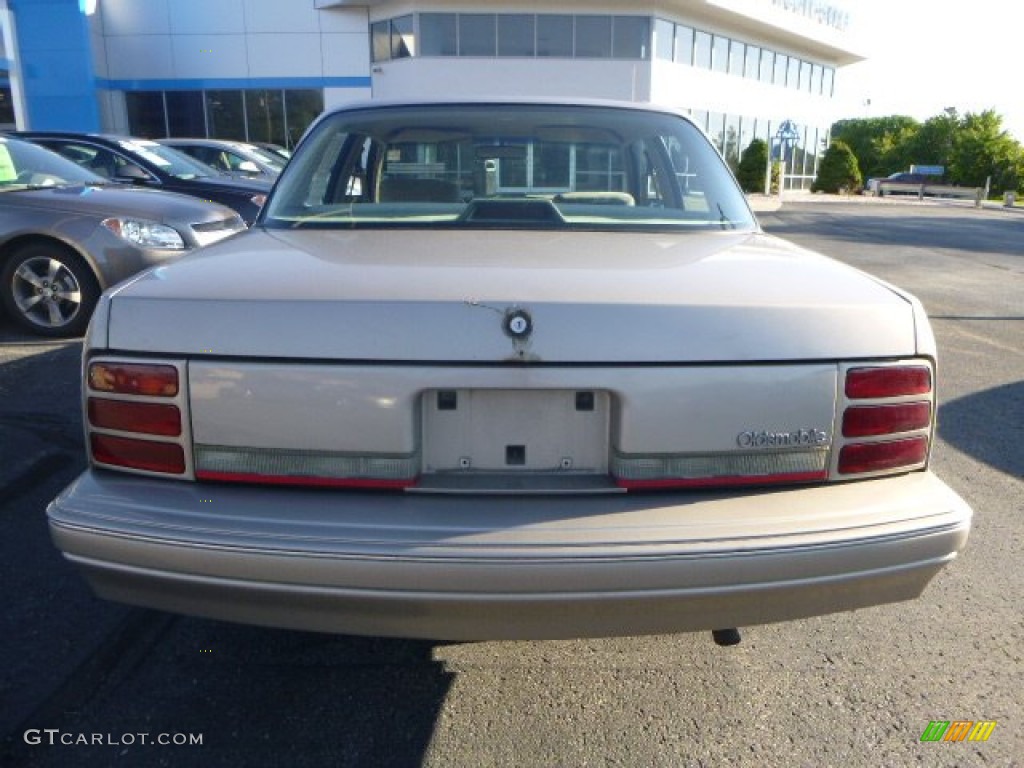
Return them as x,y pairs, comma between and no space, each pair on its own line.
67,234
236,158
509,370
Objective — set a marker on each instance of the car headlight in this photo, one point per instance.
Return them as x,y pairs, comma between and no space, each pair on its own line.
147,234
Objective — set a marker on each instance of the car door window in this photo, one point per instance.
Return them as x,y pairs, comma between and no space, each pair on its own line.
99,160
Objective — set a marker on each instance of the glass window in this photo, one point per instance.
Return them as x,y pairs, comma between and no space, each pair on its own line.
593,37
751,65
702,50
264,112
380,41
515,34
684,45
816,79
6,103
146,114
737,51
828,81
438,34
302,107
767,66
477,34
403,42
631,37
170,161
551,165
554,36
716,129
185,113
732,141
805,76
793,73
781,63
664,32
720,54
588,168
599,168
747,127
225,115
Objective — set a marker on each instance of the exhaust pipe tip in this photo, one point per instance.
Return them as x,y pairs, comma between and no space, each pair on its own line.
726,637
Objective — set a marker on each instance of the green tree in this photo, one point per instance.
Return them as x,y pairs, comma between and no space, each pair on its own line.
933,143
982,150
838,170
878,143
972,148
753,162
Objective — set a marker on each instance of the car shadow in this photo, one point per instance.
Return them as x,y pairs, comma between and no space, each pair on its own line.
236,695
998,444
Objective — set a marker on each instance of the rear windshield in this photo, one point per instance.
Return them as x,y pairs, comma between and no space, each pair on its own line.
507,166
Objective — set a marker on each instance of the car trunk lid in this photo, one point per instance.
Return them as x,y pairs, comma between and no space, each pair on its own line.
493,296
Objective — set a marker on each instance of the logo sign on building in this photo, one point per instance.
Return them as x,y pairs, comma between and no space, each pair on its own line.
829,14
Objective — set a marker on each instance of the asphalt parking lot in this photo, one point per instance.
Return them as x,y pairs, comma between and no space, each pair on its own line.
856,689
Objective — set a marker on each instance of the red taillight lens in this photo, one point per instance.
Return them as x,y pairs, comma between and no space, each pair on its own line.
902,415
895,381
878,457
147,418
134,379
138,454
869,420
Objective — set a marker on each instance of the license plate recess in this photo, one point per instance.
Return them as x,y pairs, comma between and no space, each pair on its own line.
514,430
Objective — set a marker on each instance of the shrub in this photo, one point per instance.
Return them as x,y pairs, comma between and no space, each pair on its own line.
753,161
838,170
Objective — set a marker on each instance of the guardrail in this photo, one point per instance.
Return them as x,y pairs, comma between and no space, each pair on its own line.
977,194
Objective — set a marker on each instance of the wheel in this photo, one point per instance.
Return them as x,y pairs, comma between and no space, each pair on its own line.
48,290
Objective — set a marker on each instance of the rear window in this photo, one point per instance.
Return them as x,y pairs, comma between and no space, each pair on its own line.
507,166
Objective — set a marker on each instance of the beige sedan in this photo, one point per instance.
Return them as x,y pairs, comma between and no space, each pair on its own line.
508,370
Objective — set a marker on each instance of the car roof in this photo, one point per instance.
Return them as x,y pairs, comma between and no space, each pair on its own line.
507,101
172,140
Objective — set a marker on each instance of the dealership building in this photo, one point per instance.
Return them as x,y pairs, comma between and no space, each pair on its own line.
263,69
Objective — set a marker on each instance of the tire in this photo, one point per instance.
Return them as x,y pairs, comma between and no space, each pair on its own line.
48,290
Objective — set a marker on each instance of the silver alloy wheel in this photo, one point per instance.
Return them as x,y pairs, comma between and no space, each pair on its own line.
46,291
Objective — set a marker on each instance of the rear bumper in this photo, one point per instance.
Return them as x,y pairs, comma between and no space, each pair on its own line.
507,567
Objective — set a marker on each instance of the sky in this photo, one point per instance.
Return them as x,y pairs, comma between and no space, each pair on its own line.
926,55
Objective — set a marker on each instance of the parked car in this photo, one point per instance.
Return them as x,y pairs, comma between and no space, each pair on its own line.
913,182
508,370
148,163
277,149
235,158
67,234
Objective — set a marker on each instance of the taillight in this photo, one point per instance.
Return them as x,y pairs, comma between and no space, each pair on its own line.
863,383
875,457
867,420
138,454
124,415
134,416
134,379
888,410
